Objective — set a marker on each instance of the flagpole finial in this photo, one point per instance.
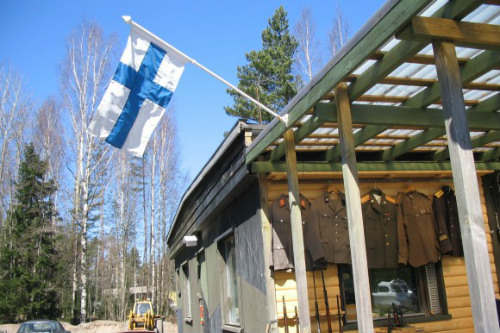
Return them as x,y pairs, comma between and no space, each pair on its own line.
127,19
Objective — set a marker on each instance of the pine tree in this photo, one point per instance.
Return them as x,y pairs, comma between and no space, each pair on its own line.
29,267
268,75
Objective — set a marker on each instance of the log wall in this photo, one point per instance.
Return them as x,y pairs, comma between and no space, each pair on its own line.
454,272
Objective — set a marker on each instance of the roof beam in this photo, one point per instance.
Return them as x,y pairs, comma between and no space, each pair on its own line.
401,116
361,136
266,167
385,64
467,34
482,140
493,154
412,143
488,105
389,20
301,133
394,58
473,69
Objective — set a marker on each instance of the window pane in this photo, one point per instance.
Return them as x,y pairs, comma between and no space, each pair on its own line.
187,292
387,286
232,304
393,286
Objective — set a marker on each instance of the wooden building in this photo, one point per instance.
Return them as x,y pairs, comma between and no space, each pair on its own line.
412,101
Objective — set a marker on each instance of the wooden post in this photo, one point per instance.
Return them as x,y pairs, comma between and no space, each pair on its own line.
354,216
297,235
467,191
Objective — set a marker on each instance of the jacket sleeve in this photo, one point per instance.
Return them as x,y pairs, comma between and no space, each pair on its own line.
441,229
313,237
402,235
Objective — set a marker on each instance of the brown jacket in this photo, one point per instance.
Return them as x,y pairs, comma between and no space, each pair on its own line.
328,233
445,208
380,224
418,244
281,240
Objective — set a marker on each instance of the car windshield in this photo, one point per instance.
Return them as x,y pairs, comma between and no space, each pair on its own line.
38,327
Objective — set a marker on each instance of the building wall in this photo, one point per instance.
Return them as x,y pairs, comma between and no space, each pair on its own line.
240,218
454,271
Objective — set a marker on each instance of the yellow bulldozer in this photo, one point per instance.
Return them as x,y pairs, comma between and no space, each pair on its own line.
143,319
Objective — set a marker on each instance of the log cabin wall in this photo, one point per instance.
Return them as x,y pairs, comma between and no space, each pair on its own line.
453,268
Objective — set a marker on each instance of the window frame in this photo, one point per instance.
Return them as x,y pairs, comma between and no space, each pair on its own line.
422,284
186,293
229,324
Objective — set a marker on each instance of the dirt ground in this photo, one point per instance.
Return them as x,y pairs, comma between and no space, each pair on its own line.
98,326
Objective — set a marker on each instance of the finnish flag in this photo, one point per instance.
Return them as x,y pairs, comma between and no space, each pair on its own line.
138,94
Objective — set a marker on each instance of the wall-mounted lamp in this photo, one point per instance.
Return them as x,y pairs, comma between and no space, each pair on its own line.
190,240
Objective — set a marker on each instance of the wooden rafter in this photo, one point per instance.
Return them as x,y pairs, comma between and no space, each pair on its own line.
392,18
467,34
476,142
489,105
384,115
266,167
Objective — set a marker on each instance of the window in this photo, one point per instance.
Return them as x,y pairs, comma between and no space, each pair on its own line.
186,288
416,291
230,281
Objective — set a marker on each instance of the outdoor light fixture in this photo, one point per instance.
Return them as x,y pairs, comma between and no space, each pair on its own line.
190,241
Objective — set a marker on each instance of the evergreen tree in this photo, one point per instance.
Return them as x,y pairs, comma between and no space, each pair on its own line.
29,266
268,75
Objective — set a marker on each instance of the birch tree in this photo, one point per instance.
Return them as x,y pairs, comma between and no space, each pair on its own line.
49,132
125,215
339,33
15,108
85,73
168,189
307,57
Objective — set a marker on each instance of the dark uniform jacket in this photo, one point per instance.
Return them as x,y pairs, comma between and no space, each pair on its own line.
282,245
381,234
418,244
328,233
447,224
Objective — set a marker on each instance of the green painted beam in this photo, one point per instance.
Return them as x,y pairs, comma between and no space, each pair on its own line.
490,155
444,153
393,59
301,133
394,16
472,69
412,143
458,9
401,116
266,167
488,105
333,154
382,68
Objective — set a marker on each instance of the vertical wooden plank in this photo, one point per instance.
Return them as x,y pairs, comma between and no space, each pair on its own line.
297,235
466,189
266,236
354,214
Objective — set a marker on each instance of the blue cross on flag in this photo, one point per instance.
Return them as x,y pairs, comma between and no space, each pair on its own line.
138,94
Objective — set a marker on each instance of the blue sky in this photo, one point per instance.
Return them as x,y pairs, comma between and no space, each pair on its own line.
217,34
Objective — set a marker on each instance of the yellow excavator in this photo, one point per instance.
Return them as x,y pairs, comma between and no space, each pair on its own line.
143,319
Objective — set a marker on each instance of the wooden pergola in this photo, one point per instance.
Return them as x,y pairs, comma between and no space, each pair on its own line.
417,89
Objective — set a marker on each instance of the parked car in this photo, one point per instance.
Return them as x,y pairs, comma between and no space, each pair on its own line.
42,326
394,292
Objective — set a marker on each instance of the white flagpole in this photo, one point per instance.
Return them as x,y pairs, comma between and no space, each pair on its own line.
164,44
